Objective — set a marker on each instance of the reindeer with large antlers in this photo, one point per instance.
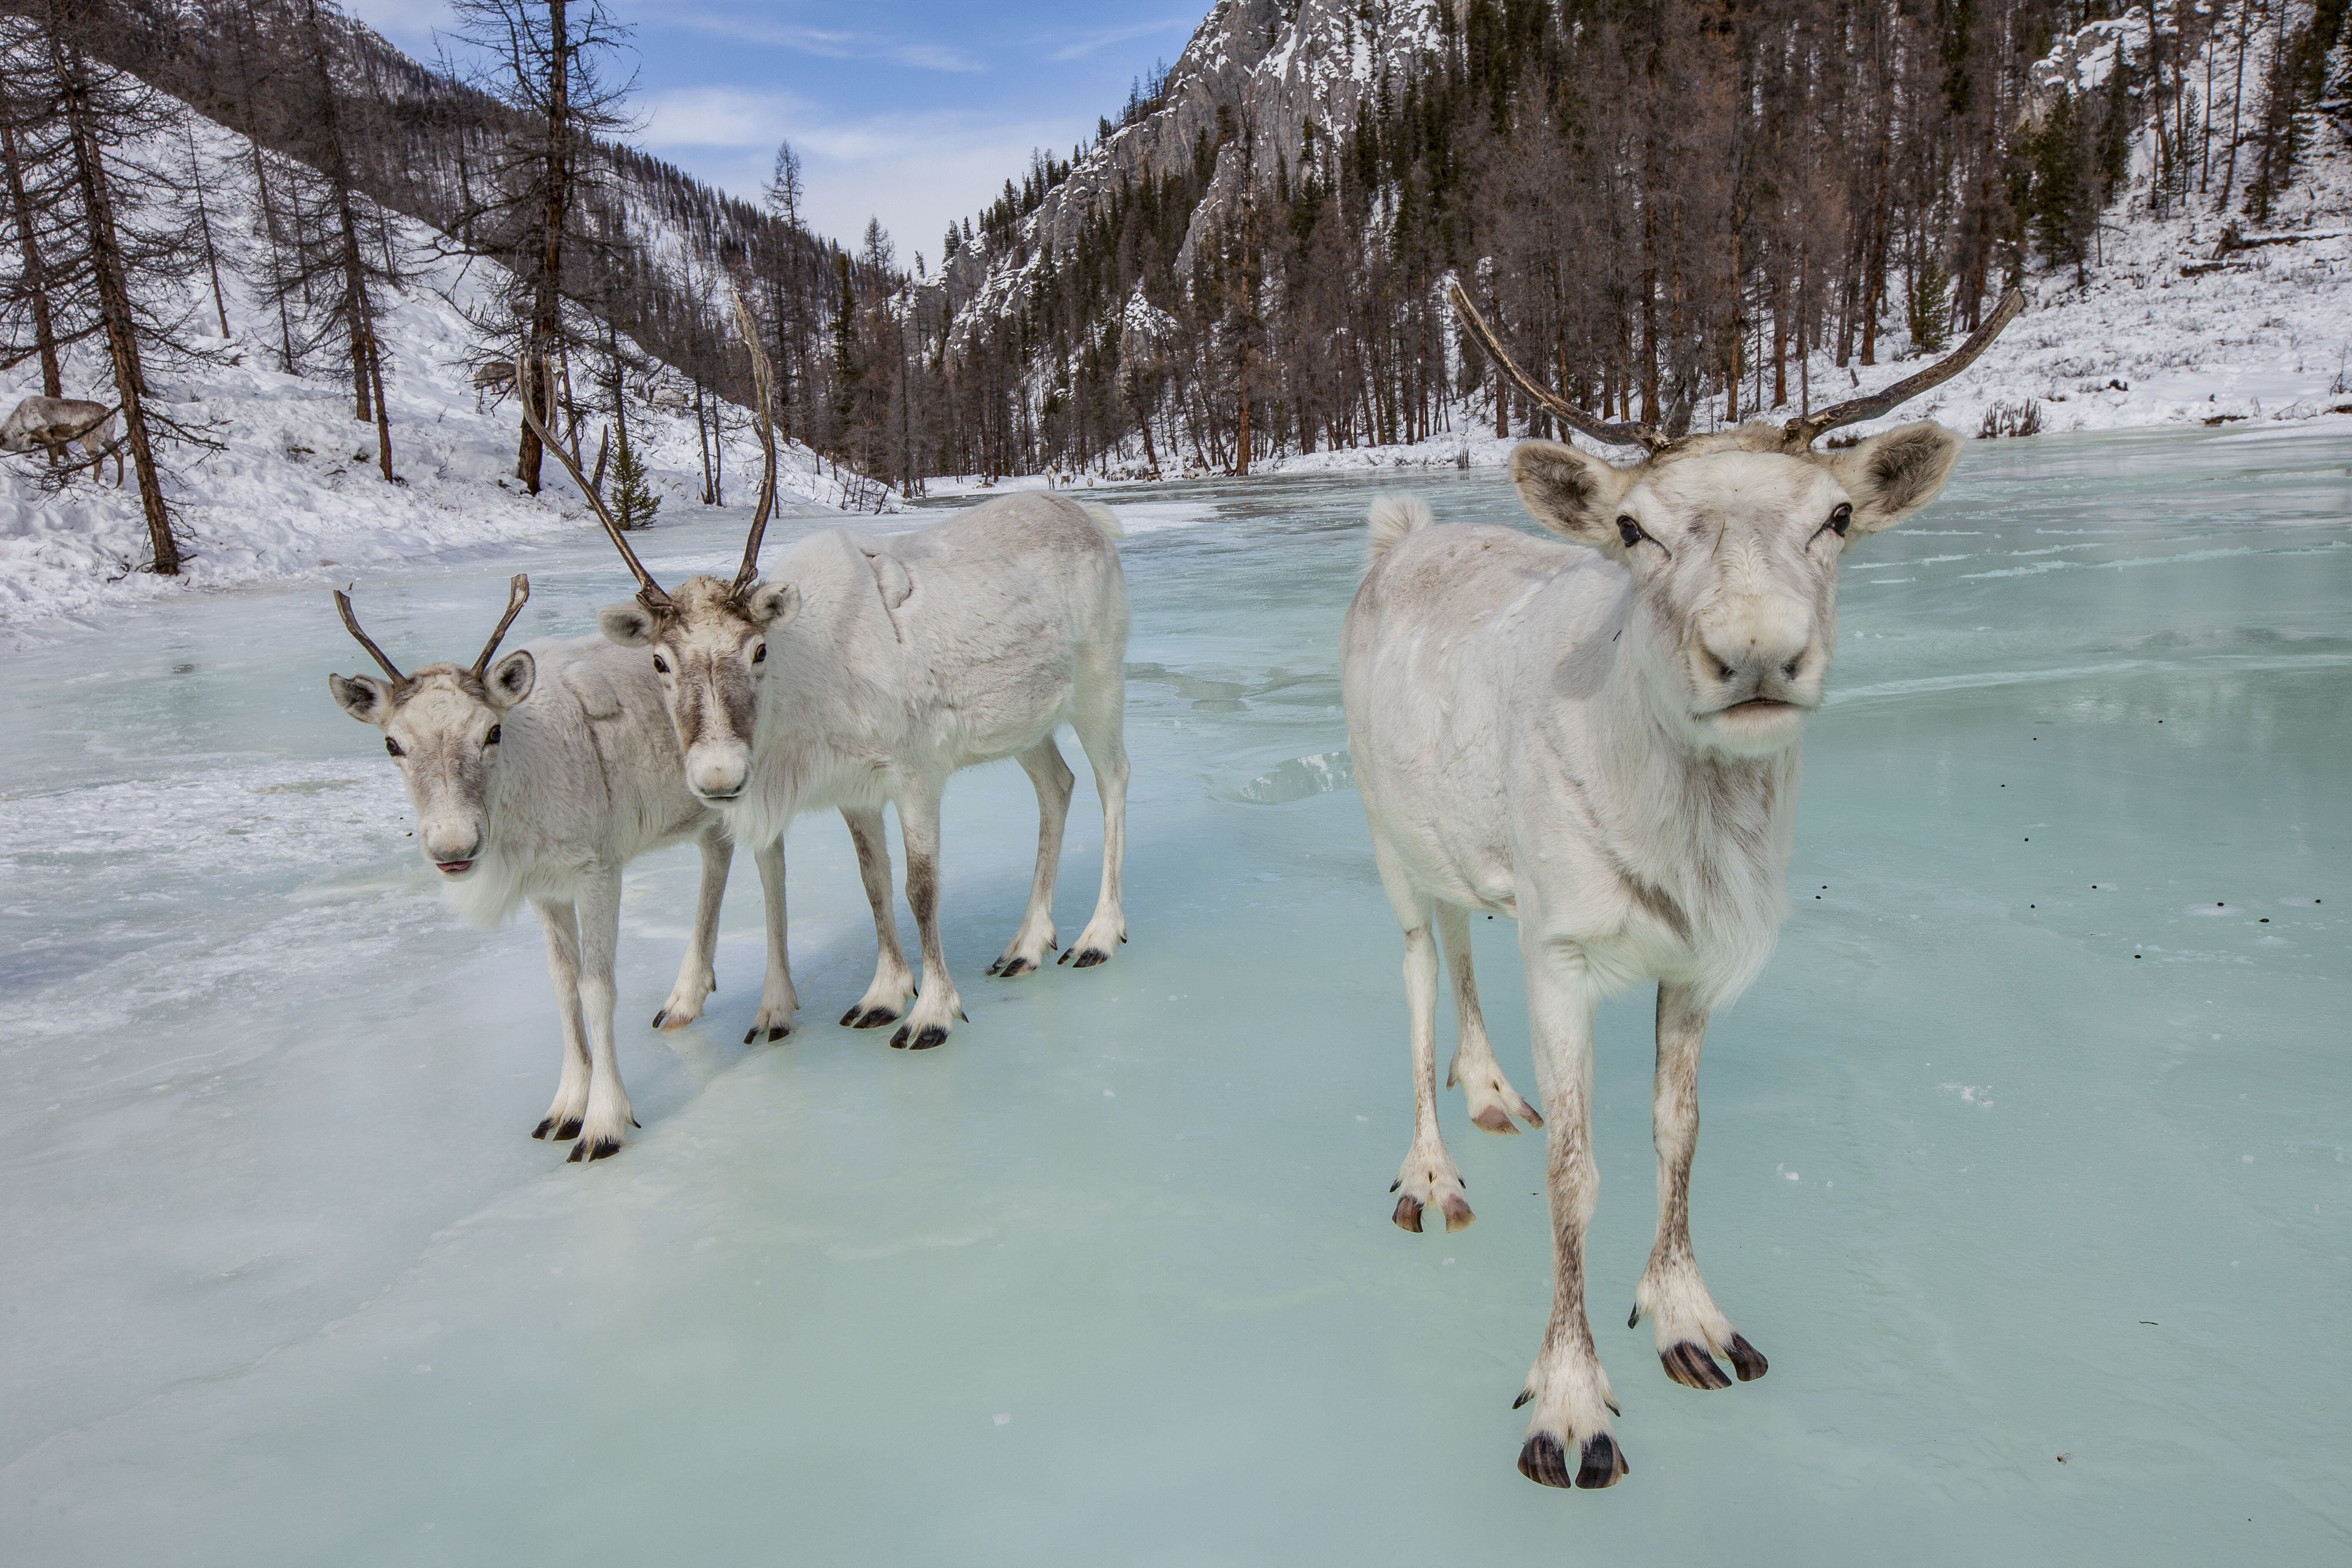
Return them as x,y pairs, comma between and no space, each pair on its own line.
1598,738
547,799
868,670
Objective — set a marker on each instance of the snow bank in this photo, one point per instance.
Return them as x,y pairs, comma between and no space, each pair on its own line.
295,494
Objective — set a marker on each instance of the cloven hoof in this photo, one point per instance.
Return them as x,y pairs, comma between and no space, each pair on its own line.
1690,1365
1602,1463
1746,1359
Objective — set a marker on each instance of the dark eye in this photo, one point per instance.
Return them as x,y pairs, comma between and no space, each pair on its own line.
1841,519
1630,531
491,739
394,746
659,666
760,655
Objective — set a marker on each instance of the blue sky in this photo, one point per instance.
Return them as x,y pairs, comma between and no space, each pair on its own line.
910,110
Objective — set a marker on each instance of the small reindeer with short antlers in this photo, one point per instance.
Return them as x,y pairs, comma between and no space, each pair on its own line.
1597,735
540,776
870,671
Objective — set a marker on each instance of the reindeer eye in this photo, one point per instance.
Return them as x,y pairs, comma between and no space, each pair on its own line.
760,655
491,739
1630,531
394,746
659,666
1841,519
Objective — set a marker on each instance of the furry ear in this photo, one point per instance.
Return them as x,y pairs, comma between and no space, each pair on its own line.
364,697
772,605
1570,491
511,678
1890,477
630,625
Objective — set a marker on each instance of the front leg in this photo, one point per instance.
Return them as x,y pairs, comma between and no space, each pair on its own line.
1686,1320
936,1006
561,933
606,1125
777,1001
697,976
886,998
1570,1441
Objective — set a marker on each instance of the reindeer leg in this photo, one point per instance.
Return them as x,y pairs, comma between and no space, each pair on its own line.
1026,952
696,974
1428,1178
1492,1100
1097,716
936,1006
562,933
1687,1322
1570,1440
606,1126
886,998
777,1001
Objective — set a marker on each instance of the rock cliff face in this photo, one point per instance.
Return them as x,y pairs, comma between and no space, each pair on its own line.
1255,77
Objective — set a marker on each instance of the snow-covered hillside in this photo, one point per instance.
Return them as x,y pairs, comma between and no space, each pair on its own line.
295,494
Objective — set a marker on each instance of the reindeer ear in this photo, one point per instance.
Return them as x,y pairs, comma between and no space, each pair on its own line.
774,605
511,678
631,625
1890,477
1570,491
364,697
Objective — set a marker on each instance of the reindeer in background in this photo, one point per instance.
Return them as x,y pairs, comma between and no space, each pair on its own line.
1598,735
871,669
540,776
55,423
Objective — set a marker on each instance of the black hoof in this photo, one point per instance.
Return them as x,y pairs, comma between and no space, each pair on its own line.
661,1018
1747,1360
1005,969
872,1018
567,1131
1634,1317
1065,955
898,1040
996,967
1091,956
1690,1365
1524,1394
750,1034
849,1018
1603,1464
598,1149
1408,1214
932,1035
1542,1462
546,1125
779,1032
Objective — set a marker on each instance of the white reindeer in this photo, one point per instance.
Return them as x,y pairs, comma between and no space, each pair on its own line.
870,670
540,776
55,423
1598,738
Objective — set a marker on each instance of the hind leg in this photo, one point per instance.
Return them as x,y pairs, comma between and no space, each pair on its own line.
1428,1178
1099,716
1492,1100
1043,762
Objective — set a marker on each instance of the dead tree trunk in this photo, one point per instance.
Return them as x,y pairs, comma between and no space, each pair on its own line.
44,337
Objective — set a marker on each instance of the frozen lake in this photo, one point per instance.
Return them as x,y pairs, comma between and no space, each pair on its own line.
2025,1162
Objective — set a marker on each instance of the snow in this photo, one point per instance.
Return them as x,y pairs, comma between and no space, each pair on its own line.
295,494
2031,1184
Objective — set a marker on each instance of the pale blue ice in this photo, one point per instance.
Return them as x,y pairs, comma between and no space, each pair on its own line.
2025,1161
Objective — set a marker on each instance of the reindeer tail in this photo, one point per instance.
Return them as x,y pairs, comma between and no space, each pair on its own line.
1105,519
1393,517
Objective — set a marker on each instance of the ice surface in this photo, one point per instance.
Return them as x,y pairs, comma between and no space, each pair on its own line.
2025,1162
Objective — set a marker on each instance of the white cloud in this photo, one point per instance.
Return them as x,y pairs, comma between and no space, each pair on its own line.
1086,44
917,171
830,43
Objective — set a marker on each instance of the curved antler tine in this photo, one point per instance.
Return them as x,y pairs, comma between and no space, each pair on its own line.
764,378
1801,433
1565,412
352,624
517,591
649,593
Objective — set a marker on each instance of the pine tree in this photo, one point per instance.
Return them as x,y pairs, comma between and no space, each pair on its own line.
634,502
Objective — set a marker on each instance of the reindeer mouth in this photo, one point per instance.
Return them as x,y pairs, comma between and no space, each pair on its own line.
453,868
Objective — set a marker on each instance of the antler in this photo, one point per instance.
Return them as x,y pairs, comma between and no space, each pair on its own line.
352,624
1801,433
517,591
649,593
1565,412
763,377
